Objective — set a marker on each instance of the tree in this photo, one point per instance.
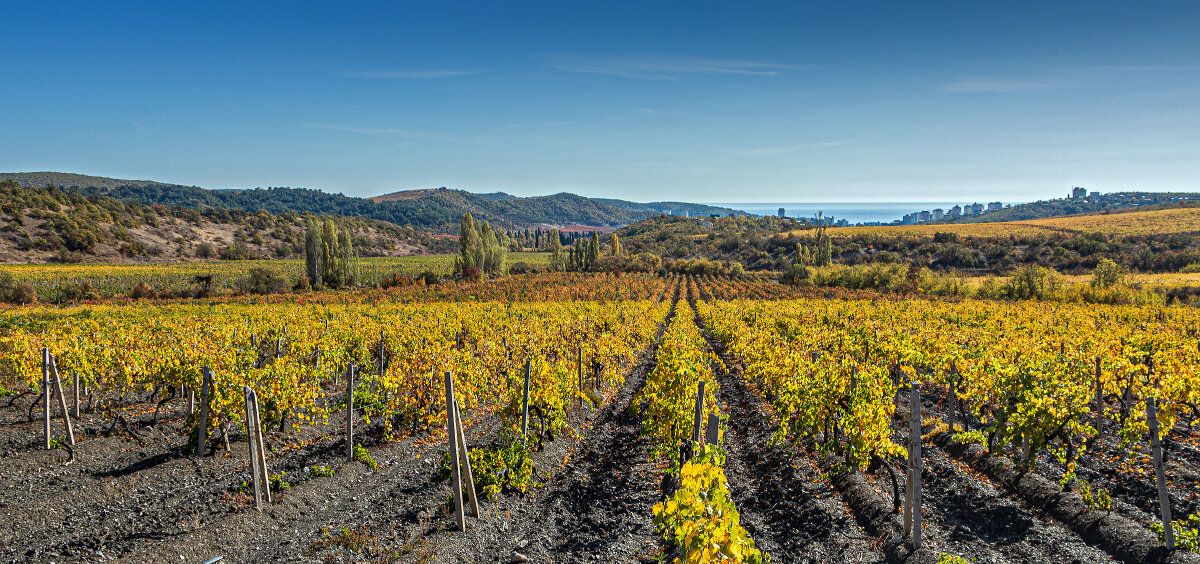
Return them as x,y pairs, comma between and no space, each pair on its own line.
329,256
1107,274
468,244
593,249
480,248
556,257
616,245
312,252
824,250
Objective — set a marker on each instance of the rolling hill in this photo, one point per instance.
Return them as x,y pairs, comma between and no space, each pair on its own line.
436,209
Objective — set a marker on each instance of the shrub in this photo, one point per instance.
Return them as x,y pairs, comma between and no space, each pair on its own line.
1191,268
795,274
430,278
1107,274
522,267
205,250
1033,282
142,290
82,291
23,293
470,274
259,280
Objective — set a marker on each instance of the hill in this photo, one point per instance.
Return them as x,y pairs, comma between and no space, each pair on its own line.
53,225
435,209
1114,201
1161,220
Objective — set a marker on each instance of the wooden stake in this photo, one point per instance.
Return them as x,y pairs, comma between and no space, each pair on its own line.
46,396
465,461
714,429
1099,399
912,513
205,390
1164,497
525,403
452,446
252,446
262,451
581,375
75,393
350,412
62,401
699,412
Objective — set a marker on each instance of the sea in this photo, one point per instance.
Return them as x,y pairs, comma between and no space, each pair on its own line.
854,212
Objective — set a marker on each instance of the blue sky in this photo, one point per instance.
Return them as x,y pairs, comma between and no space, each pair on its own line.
837,101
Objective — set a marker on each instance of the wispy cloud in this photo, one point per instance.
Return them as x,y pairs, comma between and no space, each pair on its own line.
767,151
544,124
974,84
361,130
1147,67
409,74
665,67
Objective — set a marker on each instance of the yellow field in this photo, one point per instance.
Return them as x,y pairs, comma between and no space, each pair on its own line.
1150,222
111,279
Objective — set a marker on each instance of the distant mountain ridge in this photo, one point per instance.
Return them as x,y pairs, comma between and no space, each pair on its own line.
435,209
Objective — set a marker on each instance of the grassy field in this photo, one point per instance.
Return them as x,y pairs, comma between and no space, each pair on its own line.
113,279
1150,222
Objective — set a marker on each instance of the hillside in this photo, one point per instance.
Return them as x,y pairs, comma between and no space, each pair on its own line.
1162,220
436,209
52,225
1058,207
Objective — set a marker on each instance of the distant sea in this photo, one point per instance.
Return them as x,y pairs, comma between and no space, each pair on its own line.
854,212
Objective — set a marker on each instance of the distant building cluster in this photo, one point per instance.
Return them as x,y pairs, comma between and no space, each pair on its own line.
938,214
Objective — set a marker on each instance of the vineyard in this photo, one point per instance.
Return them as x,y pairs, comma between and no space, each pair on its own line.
599,417
109,280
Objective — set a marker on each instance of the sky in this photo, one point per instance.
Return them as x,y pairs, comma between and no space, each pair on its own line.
696,101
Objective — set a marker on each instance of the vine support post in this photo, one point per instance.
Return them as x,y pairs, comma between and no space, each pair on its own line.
205,390
953,399
1160,476
713,433
912,502
525,404
46,396
62,401
465,460
75,394
350,412
1099,399
698,413
580,357
258,458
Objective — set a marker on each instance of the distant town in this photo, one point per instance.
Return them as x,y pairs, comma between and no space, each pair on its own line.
1078,200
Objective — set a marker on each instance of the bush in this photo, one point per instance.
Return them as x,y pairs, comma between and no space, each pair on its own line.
205,250
259,280
142,290
1034,282
1191,268
795,274
80,292
470,274
522,267
23,293
430,278
396,280
1107,274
